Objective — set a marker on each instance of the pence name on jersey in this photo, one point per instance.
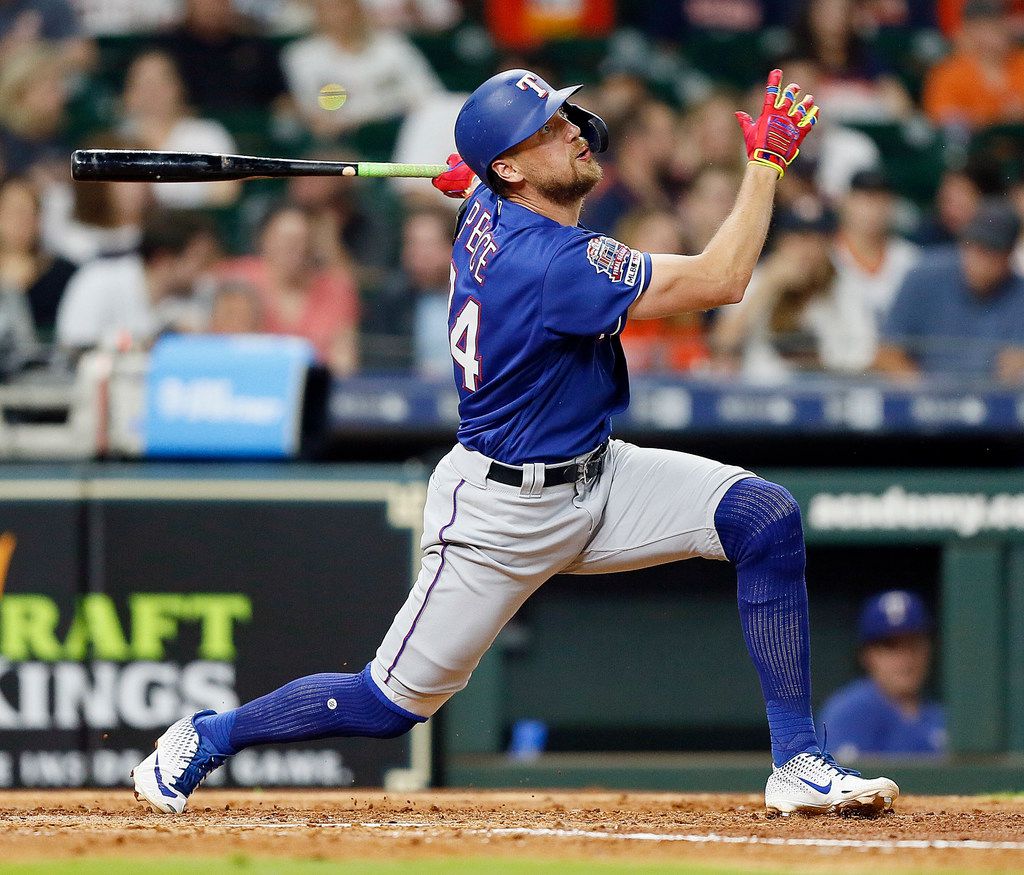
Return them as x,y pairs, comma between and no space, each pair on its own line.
534,314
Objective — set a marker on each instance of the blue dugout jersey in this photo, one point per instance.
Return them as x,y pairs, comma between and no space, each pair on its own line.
533,322
861,721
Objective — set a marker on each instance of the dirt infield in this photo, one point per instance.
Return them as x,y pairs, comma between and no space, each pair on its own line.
955,833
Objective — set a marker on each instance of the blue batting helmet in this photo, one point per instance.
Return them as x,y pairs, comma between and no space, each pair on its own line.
510,107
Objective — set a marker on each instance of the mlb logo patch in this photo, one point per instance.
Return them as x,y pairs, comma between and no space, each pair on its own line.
610,257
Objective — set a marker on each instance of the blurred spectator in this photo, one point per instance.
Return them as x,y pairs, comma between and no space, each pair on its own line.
960,312
799,312
674,20
835,152
26,23
956,201
25,269
235,309
418,16
853,84
1016,197
296,295
675,344
407,322
909,14
82,221
527,24
704,206
638,175
279,17
708,135
123,17
384,73
158,117
868,253
949,15
887,711
428,130
33,94
352,227
214,36
616,95
128,300
982,82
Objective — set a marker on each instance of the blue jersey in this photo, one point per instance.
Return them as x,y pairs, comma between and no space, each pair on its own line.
861,720
533,322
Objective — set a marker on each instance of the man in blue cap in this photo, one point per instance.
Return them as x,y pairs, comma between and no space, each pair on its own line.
886,712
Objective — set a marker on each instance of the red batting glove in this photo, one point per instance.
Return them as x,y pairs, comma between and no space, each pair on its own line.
458,180
775,138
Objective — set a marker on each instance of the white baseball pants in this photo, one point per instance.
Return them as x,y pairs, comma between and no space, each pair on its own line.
488,546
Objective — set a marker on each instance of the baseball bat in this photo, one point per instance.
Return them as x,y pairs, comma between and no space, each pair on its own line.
134,165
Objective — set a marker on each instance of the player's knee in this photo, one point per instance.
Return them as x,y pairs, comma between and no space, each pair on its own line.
384,719
756,518
391,726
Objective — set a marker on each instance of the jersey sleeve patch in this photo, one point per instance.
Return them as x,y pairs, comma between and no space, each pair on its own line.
614,259
590,283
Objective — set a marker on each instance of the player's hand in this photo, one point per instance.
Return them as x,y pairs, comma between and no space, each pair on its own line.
458,180
774,138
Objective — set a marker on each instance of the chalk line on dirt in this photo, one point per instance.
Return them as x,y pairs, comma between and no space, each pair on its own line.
399,830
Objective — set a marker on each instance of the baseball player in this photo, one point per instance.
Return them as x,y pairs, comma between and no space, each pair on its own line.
535,486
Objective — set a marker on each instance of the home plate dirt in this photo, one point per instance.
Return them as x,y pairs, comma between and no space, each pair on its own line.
939,832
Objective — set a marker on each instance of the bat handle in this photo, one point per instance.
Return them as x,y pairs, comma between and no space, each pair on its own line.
377,170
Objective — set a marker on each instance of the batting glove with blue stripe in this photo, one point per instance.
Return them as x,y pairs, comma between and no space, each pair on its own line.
774,139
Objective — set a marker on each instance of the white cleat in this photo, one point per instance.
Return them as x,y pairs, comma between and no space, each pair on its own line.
815,783
182,759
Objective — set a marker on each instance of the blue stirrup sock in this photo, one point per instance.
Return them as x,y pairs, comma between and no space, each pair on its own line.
318,706
758,524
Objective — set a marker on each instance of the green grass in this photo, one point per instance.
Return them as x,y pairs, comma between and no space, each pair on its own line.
242,865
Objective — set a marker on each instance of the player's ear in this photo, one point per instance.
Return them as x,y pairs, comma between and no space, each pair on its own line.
506,170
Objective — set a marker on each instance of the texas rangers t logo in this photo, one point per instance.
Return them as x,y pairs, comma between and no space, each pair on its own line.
529,83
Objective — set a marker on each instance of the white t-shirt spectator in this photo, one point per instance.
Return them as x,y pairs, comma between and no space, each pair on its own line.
388,78
192,135
427,134
840,322
63,235
838,154
878,286
106,302
120,17
428,15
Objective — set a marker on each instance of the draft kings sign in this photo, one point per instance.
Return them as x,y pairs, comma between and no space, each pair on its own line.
119,616
84,674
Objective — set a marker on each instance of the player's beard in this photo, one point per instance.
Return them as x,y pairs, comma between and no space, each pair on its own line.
585,175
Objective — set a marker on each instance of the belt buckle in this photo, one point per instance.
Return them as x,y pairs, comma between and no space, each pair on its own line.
589,470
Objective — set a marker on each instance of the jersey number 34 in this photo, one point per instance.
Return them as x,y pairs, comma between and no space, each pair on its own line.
462,340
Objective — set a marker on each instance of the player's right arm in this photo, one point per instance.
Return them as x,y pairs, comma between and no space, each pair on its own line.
720,274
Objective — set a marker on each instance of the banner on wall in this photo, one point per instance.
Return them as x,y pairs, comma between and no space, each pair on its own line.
210,396
147,609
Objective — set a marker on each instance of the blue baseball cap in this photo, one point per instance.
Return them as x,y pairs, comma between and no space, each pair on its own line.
896,612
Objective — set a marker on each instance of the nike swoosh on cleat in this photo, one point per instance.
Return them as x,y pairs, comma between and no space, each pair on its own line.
162,786
821,788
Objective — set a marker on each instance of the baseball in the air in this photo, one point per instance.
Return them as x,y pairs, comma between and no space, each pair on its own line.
332,97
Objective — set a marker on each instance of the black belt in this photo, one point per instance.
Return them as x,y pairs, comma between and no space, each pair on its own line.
554,475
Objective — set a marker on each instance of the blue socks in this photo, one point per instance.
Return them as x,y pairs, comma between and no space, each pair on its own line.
317,706
758,524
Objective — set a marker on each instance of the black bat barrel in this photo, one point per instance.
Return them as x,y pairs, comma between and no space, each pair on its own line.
130,165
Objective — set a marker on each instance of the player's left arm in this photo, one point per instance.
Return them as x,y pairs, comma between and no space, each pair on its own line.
721,273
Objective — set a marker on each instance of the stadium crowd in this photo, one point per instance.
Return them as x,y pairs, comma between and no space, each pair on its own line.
896,248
